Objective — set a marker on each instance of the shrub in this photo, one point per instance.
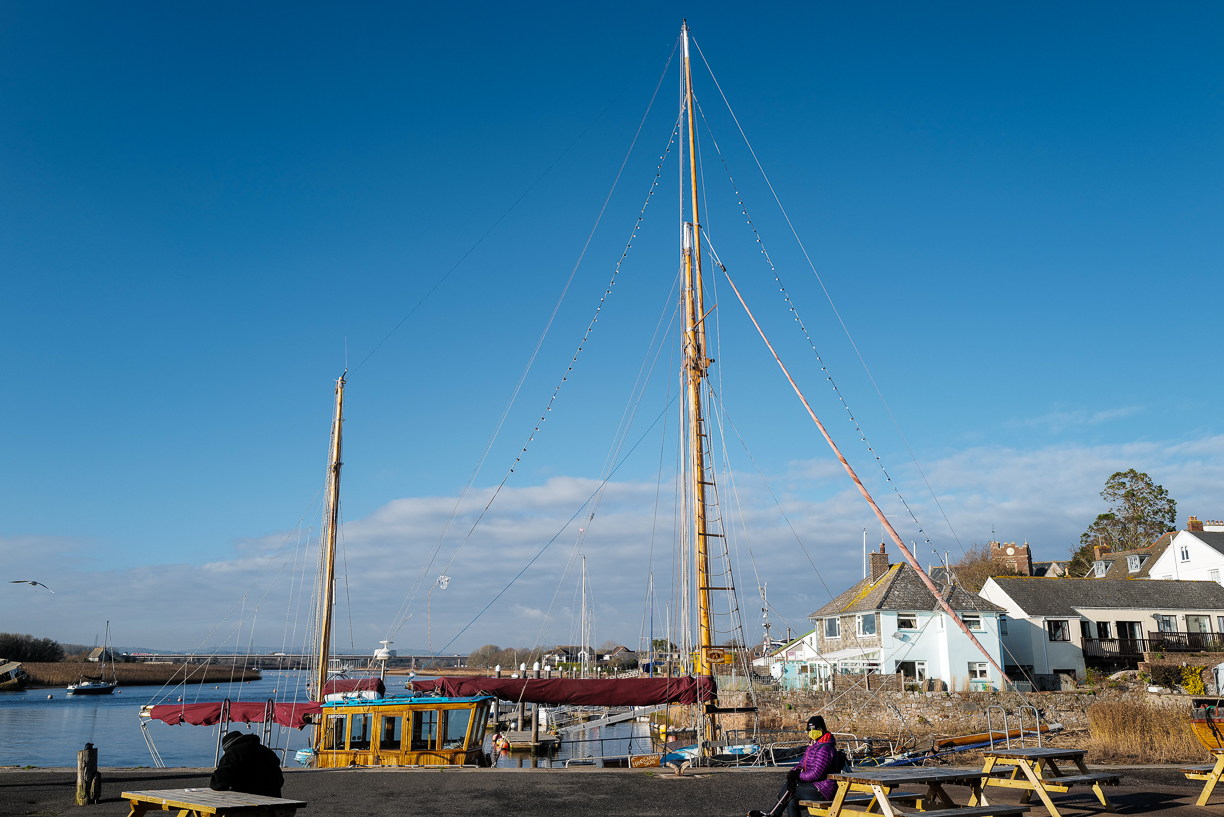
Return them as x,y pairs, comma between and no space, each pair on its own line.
1192,680
1164,675
1137,730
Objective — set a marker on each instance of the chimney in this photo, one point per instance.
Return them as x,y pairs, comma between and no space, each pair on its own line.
1097,550
1193,524
878,563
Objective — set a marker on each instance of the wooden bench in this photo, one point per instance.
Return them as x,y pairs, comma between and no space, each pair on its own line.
207,803
1065,782
909,798
968,811
1210,773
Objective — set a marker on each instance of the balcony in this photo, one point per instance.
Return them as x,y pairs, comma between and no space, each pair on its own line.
1119,648
1186,642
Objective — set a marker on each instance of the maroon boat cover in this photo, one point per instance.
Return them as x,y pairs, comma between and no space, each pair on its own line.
207,714
587,692
355,685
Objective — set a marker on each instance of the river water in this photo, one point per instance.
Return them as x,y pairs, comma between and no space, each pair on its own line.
42,731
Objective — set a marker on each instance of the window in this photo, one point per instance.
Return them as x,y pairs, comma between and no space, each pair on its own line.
1185,553
389,738
1198,624
907,621
1220,624
1104,630
1085,629
1002,625
866,624
1214,575
456,728
1099,569
333,737
912,670
978,671
832,628
1166,624
359,731
1058,630
424,730
972,620
1132,563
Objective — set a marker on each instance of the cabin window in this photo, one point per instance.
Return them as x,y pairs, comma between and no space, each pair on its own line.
389,737
978,671
1058,630
359,731
424,730
832,628
482,721
333,737
866,624
456,728
972,621
907,621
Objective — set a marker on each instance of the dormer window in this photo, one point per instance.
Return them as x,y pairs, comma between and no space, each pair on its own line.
1185,553
1099,569
1132,563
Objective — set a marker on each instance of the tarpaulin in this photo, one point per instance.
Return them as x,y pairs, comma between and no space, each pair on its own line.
585,692
207,714
355,685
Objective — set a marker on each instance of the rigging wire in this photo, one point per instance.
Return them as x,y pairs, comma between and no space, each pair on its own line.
590,327
511,208
824,289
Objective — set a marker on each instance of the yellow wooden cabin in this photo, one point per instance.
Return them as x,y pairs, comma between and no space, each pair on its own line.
402,732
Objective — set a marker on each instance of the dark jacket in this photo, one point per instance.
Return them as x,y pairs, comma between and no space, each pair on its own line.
250,767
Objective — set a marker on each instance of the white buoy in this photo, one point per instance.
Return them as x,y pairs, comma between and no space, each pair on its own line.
48,697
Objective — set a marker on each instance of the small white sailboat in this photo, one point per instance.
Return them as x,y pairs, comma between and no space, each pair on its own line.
97,684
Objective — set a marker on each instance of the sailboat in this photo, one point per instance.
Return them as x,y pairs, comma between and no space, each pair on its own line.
96,684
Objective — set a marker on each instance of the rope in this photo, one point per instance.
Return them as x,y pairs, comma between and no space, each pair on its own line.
824,289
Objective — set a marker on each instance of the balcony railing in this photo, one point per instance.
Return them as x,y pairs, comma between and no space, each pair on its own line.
1118,647
1186,642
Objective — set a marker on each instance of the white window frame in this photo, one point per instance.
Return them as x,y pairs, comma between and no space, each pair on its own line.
1184,553
973,621
979,671
832,624
1214,575
912,617
1132,564
858,624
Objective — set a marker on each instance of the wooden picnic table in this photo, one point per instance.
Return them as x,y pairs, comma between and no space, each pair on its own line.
201,802
1036,771
1211,773
882,798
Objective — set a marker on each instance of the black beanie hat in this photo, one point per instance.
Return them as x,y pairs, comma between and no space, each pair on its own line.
816,722
229,738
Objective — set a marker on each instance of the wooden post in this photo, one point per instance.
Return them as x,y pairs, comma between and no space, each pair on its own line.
535,717
89,782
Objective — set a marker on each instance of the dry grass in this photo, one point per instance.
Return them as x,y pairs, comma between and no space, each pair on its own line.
67,672
1135,730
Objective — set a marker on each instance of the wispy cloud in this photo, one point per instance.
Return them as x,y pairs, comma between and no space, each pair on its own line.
261,594
1061,420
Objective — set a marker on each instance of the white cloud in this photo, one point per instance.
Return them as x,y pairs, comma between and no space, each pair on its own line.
1046,496
1061,420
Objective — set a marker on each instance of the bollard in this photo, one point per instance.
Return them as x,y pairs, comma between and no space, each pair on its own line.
89,782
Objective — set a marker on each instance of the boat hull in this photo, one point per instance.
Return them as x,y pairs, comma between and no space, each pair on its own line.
92,689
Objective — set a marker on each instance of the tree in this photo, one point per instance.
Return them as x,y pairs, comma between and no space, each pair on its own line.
662,645
1140,512
484,656
15,647
977,565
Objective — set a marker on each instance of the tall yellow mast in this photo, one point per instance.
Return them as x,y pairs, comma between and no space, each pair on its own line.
326,601
695,365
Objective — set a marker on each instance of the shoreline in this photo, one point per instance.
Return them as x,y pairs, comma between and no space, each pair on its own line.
58,675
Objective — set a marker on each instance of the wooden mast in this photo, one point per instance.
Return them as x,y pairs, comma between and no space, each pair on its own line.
695,365
326,601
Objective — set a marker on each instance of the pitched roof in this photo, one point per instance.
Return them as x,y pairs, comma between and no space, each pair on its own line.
1044,568
1213,539
900,588
1118,567
1062,597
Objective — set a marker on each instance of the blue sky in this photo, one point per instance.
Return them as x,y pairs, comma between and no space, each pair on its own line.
1016,211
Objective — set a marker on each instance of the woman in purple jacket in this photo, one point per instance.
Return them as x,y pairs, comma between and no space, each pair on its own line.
808,780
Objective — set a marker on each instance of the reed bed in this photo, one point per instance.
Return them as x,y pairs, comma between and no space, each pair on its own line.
62,673
1139,731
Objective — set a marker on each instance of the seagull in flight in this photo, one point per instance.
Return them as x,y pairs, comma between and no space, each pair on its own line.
32,584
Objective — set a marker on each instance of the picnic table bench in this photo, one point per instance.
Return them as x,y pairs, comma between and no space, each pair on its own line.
878,794
1035,771
1210,772
205,802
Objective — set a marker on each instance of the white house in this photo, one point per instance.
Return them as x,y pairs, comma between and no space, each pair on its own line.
891,623
1062,626
1193,555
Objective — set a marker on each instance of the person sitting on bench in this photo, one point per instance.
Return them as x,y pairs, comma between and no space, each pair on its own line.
247,766
808,780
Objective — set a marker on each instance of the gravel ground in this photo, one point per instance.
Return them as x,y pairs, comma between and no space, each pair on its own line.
731,793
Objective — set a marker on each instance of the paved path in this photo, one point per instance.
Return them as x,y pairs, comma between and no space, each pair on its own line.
494,792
